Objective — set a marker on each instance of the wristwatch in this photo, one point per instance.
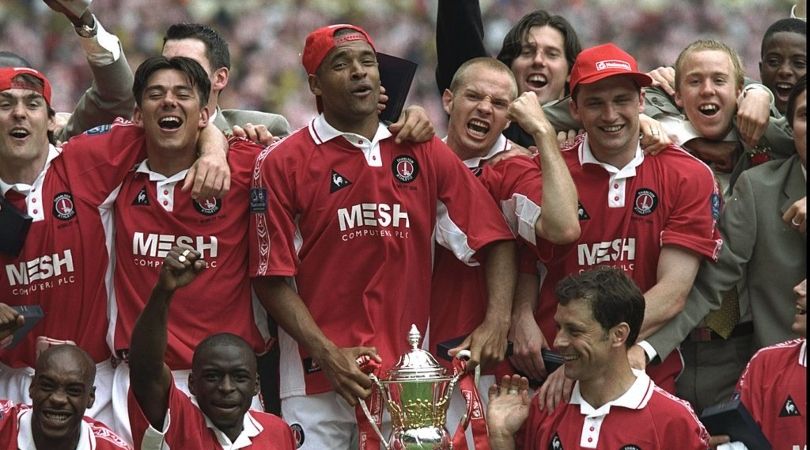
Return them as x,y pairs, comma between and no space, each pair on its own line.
87,31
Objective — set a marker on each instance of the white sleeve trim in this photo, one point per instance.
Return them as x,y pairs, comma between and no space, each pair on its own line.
102,49
648,349
521,214
154,439
451,237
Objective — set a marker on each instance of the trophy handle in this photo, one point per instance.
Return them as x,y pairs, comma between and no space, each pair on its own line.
369,417
463,356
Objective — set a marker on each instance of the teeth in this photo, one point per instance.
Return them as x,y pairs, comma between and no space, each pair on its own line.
19,132
57,416
537,79
612,129
478,126
170,122
708,109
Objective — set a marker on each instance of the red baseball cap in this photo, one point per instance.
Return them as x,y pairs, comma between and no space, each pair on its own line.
606,60
322,40
7,81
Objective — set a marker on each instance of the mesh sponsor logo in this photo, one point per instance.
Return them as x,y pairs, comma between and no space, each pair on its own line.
158,245
606,251
40,268
372,215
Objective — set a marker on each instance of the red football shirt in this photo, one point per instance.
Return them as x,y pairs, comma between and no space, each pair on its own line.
151,215
63,265
645,417
15,431
774,390
459,292
627,215
354,223
186,426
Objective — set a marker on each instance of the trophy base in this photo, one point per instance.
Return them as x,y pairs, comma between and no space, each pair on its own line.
428,438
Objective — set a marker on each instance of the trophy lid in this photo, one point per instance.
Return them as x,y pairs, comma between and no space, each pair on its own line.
416,364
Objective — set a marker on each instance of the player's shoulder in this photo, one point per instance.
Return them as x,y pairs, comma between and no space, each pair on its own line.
297,145
105,437
661,401
777,351
273,425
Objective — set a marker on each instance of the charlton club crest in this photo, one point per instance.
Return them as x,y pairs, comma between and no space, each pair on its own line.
645,202
208,206
405,168
63,207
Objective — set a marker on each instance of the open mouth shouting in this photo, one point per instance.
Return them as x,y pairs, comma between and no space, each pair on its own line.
170,123
478,128
709,109
19,133
783,90
56,418
537,81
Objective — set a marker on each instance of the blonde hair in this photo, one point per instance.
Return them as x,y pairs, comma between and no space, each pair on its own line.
709,44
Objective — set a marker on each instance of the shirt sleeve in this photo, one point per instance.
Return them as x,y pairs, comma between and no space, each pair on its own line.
467,219
273,229
459,38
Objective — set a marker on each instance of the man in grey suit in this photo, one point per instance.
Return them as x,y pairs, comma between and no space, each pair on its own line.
764,256
204,45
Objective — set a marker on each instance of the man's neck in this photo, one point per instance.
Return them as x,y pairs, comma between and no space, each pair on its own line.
168,163
612,384
14,171
617,160
462,152
365,126
68,443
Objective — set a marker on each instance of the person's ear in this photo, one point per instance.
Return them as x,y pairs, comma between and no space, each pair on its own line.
137,116
314,84
447,101
91,399
619,334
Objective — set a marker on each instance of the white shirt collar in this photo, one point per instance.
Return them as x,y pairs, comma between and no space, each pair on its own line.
143,167
500,145
803,354
634,398
321,132
23,188
586,156
250,429
25,437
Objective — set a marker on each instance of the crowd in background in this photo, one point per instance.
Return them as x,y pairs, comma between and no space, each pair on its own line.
267,37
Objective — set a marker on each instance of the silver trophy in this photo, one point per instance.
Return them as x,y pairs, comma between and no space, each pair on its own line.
417,393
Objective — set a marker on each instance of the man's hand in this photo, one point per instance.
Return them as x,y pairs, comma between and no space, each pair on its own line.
10,321
714,441
566,138
256,133
341,368
528,341
60,121
516,150
180,267
663,78
753,113
796,215
637,357
210,175
72,9
413,126
487,344
527,112
508,408
556,389
653,137
382,101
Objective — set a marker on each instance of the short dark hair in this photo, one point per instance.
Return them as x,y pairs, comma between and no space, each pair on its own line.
614,298
193,70
514,39
216,48
11,59
790,111
217,340
789,25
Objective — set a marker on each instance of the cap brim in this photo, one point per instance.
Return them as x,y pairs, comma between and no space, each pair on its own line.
642,79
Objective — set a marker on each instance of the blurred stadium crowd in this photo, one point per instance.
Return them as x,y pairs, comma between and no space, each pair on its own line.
266,37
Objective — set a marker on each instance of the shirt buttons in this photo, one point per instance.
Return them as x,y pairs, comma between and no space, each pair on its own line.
36,211
592,428
165,202
374,158
360,142
615,186
165,192
590,439
34,200
616,198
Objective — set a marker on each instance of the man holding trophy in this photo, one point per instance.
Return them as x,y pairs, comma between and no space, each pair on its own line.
346,279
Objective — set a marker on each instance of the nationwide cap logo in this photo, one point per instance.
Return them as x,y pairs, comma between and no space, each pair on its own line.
208,206
645,203
63,207
258,200
338,182
141,199
789,409
405,168
613,64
